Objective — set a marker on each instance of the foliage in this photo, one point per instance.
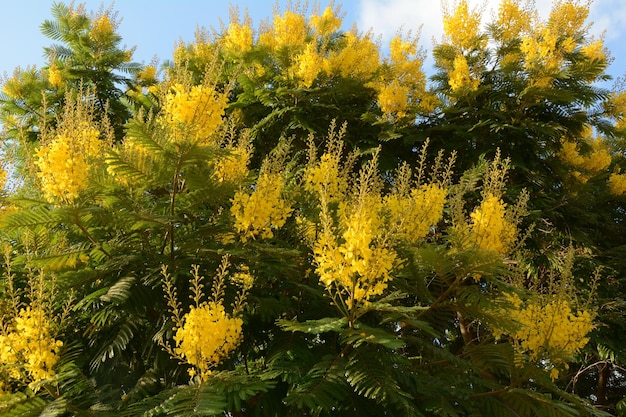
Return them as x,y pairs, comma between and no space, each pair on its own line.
360,269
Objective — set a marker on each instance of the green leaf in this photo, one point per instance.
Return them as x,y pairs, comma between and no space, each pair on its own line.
327,324
363,334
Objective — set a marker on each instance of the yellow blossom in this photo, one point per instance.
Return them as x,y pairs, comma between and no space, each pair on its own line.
55,76
263,210
460,76
102,29
208,335
243,278
393,99
617,184
462,26
325,24
147,74
548,329
490,228
402,87
594,50
325,178
356,262
308,65
413,215
589,164
512,20
233,167
65,162
540,51
198,110
289,29
357,58
238,38
567,17
27,348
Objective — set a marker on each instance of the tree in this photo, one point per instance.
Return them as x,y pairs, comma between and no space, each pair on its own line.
233,253
88,55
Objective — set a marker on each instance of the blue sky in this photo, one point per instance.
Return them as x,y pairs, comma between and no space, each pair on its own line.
154,26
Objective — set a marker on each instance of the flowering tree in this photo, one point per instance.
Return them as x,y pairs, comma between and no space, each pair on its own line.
265,239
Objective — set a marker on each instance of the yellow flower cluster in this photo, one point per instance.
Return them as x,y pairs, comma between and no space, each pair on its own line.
325,178
308,64
587,165
544,50
55,77
356,264
357,58
512,20
460,77
27,349
617,184
102,29
64,163
403,90
198,110
289,30
147,74
594,50
413,215
567,17
208,335
239,38
462,27
540,51
490,228
262,211
3,178
325,24
549,329
234,166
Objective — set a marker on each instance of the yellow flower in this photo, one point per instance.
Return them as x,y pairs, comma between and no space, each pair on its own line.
357,58
462,26
325,178
289,30
567,17
460,76
208,336
355,261
547,329
243,278
28,349
234,166
325,24
147,74
198,111
55,76
64,163
540,51
238,38
490,229
413,215
512,20
101,29
594,50
586,165
393,99
262,211
308,65
617,184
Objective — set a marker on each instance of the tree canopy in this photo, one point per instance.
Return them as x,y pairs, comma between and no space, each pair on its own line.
285,220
